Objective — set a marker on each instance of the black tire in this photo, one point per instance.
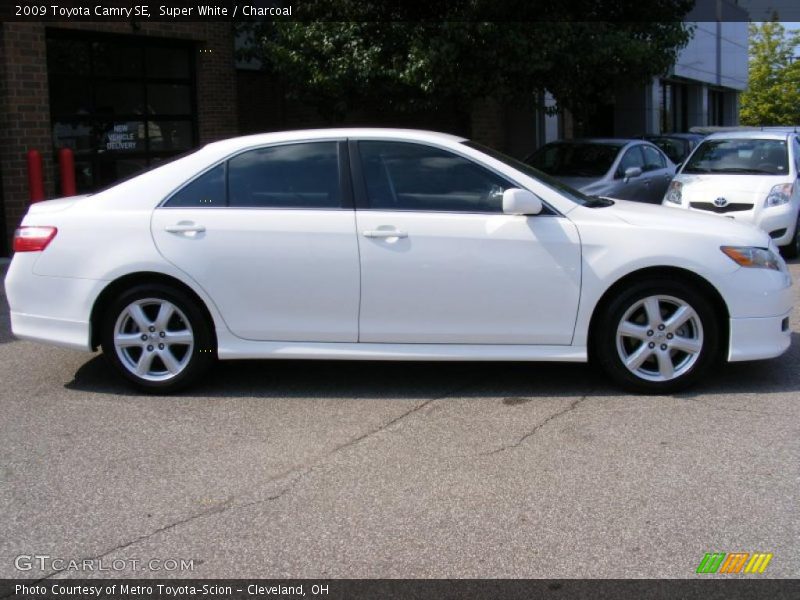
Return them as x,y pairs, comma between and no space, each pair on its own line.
189,361
792,249
701,331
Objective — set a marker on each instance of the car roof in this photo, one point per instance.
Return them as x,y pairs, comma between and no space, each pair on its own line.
619,142
753,134
233,144
682,136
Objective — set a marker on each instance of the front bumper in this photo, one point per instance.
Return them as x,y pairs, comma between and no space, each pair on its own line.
759,338
771,220
759,304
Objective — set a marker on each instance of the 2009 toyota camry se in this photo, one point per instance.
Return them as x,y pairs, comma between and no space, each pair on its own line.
392,245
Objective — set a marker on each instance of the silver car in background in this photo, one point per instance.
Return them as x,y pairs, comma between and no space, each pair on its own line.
614,168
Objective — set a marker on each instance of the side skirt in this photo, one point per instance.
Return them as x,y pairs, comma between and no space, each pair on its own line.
232,348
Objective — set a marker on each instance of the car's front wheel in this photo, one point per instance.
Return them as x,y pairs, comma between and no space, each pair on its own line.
657,337
157,338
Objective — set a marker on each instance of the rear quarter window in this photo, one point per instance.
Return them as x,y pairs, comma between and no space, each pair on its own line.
207,190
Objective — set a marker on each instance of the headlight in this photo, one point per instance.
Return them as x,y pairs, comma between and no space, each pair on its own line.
780,194
673,194
752,257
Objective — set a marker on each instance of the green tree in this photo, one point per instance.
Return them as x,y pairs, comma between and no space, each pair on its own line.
467,50
773,93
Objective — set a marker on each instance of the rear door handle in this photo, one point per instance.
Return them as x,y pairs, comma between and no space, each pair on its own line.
384,233
185,228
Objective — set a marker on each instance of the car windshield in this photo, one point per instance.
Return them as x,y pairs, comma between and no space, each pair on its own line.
675,148
575,159
565,190
739,157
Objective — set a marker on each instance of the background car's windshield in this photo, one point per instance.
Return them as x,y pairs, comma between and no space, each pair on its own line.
575,159
554,184
739,156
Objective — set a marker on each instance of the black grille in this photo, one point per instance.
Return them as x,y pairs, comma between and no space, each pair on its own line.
732,207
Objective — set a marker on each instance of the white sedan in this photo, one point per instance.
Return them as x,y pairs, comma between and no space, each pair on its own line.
381,244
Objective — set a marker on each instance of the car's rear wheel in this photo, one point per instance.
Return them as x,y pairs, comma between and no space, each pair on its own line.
657,337
792,249
157,338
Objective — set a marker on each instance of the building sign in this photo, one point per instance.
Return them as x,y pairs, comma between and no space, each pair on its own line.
121,138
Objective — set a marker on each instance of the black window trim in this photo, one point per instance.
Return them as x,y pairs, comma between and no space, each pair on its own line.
796,151
360,187
345,183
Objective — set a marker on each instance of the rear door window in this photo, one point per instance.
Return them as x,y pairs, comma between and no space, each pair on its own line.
207,190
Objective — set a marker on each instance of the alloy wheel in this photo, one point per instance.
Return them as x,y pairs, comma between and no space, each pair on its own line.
153,339
659,338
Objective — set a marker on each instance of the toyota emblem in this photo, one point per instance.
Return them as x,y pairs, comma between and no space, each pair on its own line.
720,202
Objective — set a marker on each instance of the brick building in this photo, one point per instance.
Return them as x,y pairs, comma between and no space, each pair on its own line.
122,95
126,95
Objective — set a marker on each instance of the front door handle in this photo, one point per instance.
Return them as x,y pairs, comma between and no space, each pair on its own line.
185,228
384,233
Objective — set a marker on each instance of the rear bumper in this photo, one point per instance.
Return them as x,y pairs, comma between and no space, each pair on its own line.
59,332
55,310
759,338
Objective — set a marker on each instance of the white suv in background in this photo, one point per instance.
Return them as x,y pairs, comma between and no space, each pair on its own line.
749,176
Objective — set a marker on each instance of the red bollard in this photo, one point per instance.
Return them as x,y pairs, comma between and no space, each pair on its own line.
66,166
35,179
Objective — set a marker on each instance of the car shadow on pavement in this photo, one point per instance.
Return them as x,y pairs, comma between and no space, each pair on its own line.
776,375
354,379
511,381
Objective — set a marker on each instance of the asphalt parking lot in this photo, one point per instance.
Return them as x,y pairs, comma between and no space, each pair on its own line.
347,469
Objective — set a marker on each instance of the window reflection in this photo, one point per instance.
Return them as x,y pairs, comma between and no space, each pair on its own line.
121,103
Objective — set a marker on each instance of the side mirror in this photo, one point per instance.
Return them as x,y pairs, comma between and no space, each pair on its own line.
521,202
632,172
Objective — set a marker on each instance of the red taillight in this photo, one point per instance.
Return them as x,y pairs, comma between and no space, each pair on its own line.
33,239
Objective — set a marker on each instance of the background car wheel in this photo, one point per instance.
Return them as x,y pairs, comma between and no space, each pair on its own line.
657,337
792,249
157,338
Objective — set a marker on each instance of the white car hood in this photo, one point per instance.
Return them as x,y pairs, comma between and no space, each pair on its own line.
664,218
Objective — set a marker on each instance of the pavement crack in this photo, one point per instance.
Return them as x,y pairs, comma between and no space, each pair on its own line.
301,472
309,469
221,507
569,408
744,410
